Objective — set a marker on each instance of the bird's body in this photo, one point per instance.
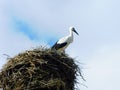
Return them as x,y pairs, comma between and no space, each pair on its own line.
64,42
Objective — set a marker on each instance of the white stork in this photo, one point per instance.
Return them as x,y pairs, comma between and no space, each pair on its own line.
63,43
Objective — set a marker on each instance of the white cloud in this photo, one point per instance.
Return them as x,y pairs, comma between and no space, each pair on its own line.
103,72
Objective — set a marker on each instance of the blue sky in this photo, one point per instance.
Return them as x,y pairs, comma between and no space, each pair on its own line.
23,27
26,24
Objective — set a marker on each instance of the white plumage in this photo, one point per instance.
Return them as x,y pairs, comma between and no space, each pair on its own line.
63,43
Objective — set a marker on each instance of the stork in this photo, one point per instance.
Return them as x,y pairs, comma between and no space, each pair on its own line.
64,42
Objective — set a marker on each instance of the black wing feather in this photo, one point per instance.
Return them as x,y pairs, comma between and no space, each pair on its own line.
58,46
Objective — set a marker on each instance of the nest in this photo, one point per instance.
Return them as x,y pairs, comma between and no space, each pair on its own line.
39,69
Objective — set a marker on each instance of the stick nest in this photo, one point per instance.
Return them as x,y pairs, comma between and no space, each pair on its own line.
39,69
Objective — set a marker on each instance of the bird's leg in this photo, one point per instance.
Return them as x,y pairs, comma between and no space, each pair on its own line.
63,51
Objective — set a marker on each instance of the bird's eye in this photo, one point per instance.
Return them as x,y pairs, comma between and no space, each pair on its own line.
73,29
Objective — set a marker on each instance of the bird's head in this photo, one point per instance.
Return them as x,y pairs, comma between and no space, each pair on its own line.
73,30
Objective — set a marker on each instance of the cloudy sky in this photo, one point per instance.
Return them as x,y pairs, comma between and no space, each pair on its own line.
26,24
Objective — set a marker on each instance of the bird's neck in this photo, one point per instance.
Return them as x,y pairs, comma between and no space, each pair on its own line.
71,33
